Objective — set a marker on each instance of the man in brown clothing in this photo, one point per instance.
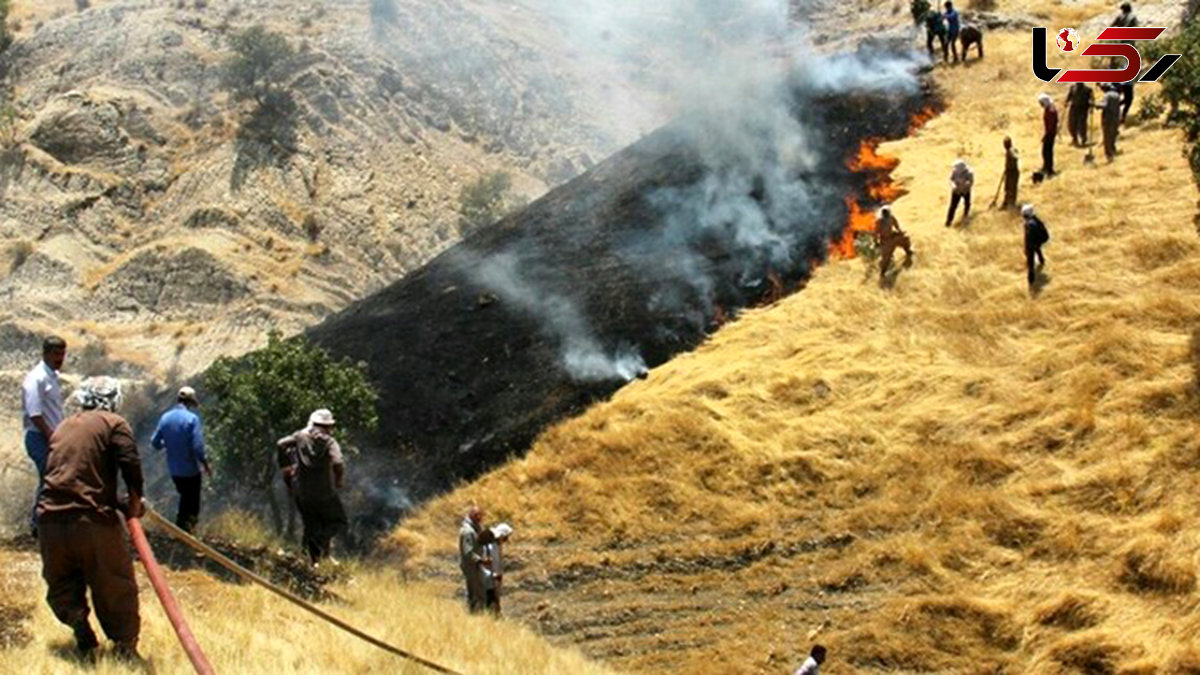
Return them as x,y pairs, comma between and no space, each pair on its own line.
80,521
314,470
888,236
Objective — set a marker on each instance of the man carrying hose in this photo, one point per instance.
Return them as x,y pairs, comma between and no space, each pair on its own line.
314,470
79,520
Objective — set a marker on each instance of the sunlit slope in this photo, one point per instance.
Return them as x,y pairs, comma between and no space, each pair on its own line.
248,631
948,475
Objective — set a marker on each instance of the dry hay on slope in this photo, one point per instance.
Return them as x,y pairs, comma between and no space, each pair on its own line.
947,476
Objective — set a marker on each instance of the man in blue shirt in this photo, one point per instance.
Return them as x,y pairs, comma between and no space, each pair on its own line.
952,28
179,432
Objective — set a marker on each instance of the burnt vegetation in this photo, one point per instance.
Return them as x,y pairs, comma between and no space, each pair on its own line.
469,371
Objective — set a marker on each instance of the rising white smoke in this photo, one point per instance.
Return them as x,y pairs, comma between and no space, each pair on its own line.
734,75
582,354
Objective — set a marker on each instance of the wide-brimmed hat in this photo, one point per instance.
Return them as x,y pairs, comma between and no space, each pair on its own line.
321,417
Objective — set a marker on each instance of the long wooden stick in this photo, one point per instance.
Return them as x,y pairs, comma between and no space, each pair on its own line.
246,574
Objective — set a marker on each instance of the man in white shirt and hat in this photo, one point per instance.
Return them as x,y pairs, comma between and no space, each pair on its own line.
42,407
962,179
314,470
493,574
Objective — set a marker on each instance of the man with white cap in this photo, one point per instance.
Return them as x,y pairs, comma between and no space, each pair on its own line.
493,574
181,434
1036,236
962,179
1049,133
314,470
80,520
472,559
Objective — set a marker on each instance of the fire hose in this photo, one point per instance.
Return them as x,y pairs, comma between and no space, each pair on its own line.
246,574
159,582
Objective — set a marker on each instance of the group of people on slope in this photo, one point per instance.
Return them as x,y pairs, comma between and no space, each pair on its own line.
78,517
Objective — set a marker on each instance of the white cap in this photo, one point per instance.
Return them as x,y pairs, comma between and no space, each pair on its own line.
321,417
502,530
1044,98
1027,210
187,394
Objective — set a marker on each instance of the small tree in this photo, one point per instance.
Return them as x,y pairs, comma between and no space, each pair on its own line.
486,200
257,52
254,400
1181,85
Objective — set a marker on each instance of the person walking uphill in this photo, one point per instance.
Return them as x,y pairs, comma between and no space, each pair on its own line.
1036,236
314,470
42,410
962,179
472,558
179,432
1049,133
81,534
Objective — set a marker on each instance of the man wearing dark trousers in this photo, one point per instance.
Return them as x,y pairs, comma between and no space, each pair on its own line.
80,520
1049,133
314,470
42,408
180,433
1036,236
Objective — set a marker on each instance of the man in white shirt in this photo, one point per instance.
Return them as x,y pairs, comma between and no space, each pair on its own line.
42,405
812,665
493,574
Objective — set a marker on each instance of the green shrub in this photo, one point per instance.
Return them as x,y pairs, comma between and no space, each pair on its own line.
918,9
486,200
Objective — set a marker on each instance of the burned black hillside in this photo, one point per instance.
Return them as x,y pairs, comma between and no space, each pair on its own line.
472,354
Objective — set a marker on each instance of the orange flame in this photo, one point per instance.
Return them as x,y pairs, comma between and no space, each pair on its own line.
879,188
921,118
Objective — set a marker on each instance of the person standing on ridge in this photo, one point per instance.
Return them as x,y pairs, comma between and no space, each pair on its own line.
888,236
935,27
1049,133
953,24
82,537
42,411
472,558
1079,107
962,179
180,433
1012,174
1036,236
314,470
812,665
1110,119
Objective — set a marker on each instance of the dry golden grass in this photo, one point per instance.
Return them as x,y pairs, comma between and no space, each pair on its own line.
949,475
247,631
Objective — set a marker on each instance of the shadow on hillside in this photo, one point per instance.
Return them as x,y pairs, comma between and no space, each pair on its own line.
266,138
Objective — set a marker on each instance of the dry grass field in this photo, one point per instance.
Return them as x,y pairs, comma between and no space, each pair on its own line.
247,631
947,475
